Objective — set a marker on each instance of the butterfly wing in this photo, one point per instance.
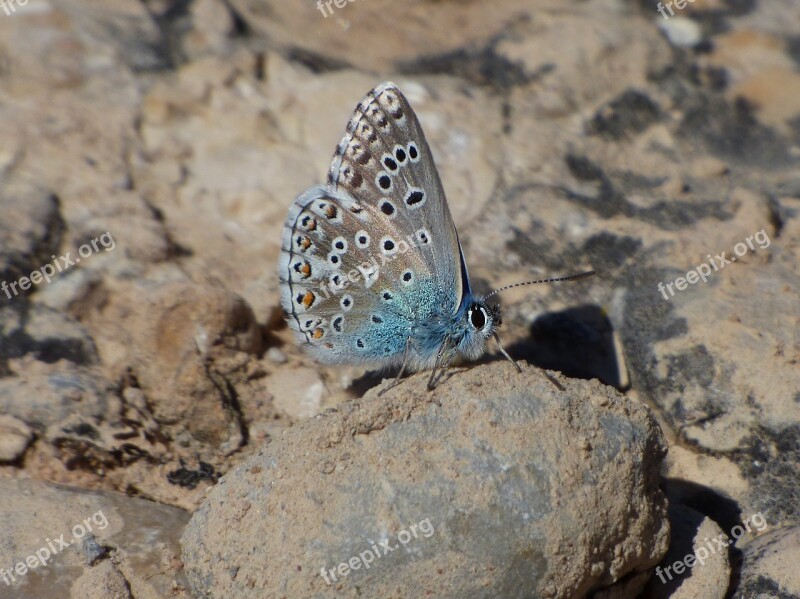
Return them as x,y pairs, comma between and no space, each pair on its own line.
337,290
384,162
373,258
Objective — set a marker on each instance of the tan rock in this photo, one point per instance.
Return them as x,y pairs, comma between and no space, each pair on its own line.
298,392
481,466
769,564
15,436
139,535
102,580
697,563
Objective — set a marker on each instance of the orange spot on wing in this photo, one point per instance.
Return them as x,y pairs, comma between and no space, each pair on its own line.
304,243
308,299
309,223
318,333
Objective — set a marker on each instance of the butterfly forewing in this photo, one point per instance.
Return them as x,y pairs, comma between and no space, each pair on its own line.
384,162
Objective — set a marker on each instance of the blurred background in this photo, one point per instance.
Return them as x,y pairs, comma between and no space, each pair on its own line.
636,138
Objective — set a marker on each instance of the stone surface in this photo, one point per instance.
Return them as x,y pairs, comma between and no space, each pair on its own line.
706,573
190,343
15,436
501,473
42,394
103,580
769,566
140,555
298,393
31,230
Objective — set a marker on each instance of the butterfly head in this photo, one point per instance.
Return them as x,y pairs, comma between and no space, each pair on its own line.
479,322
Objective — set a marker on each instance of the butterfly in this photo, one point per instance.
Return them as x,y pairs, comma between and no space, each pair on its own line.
371,270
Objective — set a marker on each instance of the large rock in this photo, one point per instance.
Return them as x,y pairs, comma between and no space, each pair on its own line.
78,544
496,484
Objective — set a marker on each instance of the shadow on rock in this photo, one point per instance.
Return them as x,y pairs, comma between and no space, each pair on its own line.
579,342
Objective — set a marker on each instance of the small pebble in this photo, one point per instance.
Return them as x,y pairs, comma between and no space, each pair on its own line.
276,356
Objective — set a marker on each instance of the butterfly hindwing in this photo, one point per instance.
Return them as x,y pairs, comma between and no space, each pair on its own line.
343,272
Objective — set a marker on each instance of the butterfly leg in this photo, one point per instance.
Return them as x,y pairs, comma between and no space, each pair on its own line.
396,380
443,359
505,353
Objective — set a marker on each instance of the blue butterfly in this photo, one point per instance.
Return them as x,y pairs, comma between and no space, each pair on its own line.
371,269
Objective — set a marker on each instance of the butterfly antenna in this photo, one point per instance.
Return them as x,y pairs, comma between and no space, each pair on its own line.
582,275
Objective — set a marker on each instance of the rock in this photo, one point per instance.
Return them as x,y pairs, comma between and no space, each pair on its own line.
329,49
213,25
31,230
41,522
15,436
629,114
103,580
92,550
50,336
681,31
185,129
627,588
705,569
276,356
73,293
130,32
43,394
769,566
87,443
191,349
298,393
494,473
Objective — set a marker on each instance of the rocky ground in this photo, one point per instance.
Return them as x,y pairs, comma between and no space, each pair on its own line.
162,436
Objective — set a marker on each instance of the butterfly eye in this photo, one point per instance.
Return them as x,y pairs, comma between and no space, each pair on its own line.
477,317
